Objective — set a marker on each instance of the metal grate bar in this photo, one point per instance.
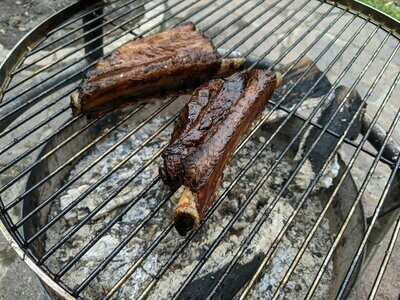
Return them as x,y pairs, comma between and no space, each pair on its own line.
78,18
209,13
97,183
176,115
214,206
39,45
280,39
41,143
63,46
88,54
33,129
184,18
311,45
70,233
27,118
347,141
11,223
355,203
133,268
52,151
303,198
253,48
72,76
222,196
235,47
334,134
256,45
133,233
262,181
231,22
101,267
226,26
378,207
115,24
196,12
385,261
32,101
253,132
51,32
30,150
118,217
62,96
53,85
162,234
101,136
315,180
267,21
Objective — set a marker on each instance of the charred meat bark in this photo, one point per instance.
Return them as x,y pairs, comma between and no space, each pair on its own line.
205,136
163,64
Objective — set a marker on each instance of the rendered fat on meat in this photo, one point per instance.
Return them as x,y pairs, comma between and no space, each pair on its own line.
164,64
205,136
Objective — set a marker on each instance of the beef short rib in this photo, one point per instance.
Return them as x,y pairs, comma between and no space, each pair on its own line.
205,136
163,64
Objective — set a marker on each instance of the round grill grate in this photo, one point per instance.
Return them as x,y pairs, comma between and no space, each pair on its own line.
305,201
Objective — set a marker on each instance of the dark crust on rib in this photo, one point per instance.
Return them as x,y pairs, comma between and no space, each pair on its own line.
163,64
205,109
202,145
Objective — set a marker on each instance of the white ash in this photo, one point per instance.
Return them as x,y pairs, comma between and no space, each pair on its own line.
306,107
326,180
172,279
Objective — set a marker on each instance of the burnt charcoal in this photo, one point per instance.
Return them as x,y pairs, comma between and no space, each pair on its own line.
302,88
340,122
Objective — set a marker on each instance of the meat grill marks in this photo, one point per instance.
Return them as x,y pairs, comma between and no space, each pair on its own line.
164,64
205,136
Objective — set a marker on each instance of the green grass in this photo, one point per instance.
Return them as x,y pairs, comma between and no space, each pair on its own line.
385,6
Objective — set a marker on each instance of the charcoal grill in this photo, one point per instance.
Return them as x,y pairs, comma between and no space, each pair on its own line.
345,44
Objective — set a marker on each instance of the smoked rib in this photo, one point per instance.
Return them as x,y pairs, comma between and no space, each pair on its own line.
205,136
163,64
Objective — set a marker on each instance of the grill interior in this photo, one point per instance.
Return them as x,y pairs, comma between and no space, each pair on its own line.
47,155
